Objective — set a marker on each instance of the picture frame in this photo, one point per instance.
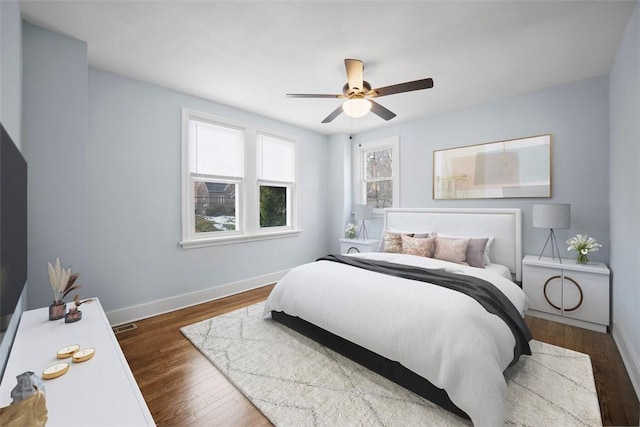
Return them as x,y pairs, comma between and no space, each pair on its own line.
514,168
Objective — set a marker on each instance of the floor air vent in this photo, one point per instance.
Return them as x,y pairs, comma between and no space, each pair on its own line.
124,328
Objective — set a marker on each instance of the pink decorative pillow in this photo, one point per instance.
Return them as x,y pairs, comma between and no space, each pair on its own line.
393,242
452,250
418,246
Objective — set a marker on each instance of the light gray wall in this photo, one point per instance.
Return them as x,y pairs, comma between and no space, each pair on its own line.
104,154
11,119
54,140
133,158
625,194
576,114
339,174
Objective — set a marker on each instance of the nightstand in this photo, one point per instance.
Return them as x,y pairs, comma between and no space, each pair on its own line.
572,293
348,246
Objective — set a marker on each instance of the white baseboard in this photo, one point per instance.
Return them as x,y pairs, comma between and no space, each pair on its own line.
629,357
154,308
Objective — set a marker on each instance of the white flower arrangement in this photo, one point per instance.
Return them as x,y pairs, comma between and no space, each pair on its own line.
583,244
350,231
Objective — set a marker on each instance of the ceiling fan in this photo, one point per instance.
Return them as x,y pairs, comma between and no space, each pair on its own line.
359,93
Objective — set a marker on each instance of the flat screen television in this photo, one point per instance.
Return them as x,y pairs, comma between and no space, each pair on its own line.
13,228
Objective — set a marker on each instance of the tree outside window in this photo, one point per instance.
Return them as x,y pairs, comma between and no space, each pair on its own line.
273,206
376,165
379,178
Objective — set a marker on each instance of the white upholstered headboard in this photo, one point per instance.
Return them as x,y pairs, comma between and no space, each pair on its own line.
503,224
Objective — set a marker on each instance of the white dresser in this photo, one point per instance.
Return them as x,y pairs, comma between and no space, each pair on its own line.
576,294
100,391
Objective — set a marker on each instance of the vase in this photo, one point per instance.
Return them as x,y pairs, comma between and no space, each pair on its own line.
582,259
57,310
27,384
72,316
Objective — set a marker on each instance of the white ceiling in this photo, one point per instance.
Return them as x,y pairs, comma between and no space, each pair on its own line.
249,54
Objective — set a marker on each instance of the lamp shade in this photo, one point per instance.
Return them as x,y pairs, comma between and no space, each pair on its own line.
362,212
552,216
356,107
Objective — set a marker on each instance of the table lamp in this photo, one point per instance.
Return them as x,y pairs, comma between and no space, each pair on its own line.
362,213
552,216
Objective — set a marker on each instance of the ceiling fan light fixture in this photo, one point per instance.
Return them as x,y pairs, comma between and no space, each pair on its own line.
356,107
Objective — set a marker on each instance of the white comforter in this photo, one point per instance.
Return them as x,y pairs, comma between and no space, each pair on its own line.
442,335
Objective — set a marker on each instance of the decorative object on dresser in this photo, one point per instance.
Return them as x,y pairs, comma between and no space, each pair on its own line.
583,245
362,213
55,371
348,246
28,384
28,407
62,282
74,314
31,412
572,293
552,216
67,352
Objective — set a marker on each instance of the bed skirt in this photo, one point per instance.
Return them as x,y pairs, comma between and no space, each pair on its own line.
392,370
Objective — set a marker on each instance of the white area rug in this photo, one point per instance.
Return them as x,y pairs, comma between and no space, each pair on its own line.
296,382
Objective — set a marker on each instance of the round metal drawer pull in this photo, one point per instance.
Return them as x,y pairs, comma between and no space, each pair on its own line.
353,250
544,291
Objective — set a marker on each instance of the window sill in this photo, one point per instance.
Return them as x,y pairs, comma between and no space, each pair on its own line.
217,241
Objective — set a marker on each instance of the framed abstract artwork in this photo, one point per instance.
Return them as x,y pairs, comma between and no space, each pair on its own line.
495,170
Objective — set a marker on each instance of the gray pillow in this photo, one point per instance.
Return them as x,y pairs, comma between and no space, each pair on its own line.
475,252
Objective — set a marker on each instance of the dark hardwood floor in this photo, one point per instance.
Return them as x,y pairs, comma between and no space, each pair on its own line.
181,387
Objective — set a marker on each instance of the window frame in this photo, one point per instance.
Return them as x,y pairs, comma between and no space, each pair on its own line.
247,201
359,169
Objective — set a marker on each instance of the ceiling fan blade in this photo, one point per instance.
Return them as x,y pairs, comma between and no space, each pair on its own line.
313,95
403,87
335,113
381,111
355,70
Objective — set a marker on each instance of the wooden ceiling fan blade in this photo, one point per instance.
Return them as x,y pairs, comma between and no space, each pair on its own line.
335,113
313,95
379,110
355,72
403,87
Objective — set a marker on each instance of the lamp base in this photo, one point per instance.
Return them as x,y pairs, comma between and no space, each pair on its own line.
554,246
362,231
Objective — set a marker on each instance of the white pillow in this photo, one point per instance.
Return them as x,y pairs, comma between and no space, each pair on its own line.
416,234
487,249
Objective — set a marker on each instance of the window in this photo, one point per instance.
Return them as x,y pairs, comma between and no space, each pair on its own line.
376,176
238,182
275,178
216,169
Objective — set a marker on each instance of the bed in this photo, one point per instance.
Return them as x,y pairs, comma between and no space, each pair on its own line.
437,341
